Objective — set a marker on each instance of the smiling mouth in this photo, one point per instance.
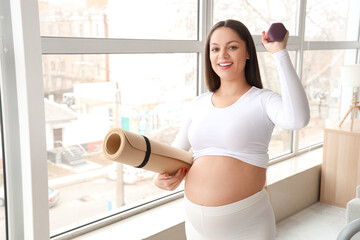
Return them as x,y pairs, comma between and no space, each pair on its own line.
224,64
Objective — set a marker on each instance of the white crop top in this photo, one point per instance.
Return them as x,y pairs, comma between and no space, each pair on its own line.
243,129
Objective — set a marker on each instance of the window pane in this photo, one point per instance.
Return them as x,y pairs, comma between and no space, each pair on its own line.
157,19
280,143
85,96
257,15
331,20
321,79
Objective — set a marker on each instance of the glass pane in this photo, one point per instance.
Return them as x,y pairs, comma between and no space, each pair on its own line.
140,19
321,79
257,15
331,20
85,96
280,143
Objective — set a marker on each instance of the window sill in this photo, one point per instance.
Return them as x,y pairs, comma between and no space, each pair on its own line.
158,219
287,168
143,225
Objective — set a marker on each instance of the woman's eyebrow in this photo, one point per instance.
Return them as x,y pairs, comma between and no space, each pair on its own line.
226,43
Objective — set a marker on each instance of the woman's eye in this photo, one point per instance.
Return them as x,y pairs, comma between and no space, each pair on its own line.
214,49
233,47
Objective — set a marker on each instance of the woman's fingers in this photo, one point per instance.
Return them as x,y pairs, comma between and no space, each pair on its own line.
167,182
181,173
164,176
286,38
274,47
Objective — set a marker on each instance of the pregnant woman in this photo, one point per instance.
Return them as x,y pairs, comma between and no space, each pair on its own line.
229,130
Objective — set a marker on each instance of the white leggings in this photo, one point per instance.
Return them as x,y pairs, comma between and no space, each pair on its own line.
251,218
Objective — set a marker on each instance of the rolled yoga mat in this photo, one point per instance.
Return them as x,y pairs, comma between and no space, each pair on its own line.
140,152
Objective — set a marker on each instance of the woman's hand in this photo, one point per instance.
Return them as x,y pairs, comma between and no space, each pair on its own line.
166,182
274,47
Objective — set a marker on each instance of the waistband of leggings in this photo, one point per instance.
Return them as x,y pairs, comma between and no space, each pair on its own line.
228,208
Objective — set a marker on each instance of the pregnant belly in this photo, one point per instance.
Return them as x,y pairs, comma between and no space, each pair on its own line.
220,180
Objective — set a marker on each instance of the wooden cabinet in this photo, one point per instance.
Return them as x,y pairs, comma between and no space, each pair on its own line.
340,171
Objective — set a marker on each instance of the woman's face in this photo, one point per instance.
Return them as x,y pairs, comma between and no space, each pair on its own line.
228,54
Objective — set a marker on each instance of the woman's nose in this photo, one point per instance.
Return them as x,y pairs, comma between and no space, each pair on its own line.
224,53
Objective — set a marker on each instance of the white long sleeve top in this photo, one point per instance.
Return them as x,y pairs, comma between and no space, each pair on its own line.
243,130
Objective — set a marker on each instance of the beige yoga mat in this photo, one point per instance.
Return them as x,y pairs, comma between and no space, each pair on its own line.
139,151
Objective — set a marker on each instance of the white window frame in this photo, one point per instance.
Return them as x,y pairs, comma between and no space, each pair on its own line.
23,115
23,121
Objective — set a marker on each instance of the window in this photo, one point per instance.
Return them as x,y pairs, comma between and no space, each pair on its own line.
143,93
159,19
321,79
257,15
136,64
329,23
146,93
330,20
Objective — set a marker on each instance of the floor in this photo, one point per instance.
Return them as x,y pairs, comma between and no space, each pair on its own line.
319,221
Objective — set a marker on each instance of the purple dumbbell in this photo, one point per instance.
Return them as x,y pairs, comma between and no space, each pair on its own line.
276,32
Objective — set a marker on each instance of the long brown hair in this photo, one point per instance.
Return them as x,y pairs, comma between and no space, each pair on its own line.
252,72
